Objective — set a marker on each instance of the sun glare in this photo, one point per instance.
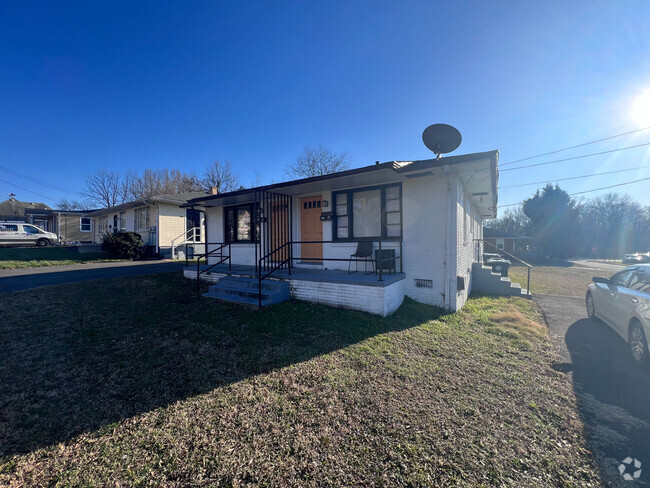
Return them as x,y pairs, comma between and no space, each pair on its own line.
641,110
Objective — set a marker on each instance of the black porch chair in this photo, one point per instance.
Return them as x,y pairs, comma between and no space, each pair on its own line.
363,253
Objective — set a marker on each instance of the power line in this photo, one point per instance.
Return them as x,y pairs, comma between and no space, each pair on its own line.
573,147
574,177
43,183
576,157
29,191
587,191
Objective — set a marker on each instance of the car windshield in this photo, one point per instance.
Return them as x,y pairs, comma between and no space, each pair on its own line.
30,230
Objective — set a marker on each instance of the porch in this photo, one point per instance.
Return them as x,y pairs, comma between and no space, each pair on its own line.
354,291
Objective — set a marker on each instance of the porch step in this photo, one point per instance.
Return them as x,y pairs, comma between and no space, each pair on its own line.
484,280
245,291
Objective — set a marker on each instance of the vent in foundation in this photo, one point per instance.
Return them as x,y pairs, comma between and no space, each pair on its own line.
420,283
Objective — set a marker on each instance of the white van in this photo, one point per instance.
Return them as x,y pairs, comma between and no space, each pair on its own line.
20,233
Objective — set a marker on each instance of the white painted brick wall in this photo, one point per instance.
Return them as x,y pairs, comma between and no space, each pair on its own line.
377,300
424,214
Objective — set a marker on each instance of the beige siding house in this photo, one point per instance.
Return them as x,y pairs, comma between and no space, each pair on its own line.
160,220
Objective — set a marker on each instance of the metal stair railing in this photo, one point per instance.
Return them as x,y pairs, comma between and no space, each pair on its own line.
501,251
267,266
186,239
221,259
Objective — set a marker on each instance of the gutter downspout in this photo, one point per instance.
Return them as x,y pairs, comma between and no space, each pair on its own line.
158,231
448,223
446,299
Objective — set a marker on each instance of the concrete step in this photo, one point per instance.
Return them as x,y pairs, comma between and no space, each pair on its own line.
245,291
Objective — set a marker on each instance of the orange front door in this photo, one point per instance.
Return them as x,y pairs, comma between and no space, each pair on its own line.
311,229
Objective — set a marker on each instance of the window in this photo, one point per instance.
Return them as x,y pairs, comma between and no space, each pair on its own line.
142,218
101,224
8,228
86,224
621,278
30,230
122,220
369,213
640,282
239,223
366,213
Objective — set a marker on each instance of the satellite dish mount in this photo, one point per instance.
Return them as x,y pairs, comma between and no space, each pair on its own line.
441,139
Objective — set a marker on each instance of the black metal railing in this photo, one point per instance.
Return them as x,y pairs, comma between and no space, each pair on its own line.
501,251
266,265
221,258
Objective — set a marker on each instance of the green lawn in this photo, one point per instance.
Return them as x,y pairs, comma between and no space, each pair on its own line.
142,382
556,280
13,257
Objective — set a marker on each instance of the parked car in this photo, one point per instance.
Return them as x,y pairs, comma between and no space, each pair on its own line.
20,233
623,303
632,258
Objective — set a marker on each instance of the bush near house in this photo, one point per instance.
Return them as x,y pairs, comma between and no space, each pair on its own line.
124,245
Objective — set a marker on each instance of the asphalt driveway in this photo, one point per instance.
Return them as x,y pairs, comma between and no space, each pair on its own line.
26,278
613,393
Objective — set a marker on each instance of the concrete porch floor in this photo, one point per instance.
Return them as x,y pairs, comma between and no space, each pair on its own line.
310,274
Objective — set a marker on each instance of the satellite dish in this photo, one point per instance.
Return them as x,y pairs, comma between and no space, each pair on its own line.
441,138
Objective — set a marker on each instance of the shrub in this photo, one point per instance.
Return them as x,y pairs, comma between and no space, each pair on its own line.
124,245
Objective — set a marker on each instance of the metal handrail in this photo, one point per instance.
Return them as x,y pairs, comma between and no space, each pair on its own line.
223,259
291,258
529,266
186,239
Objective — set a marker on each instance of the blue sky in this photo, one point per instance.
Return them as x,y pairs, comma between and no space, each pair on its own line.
131,85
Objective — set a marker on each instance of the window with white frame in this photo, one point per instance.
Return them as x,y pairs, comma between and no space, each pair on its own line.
142,218
86,224
368,213
102,224
122,220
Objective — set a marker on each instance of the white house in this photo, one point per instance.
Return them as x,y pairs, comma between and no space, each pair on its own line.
160,220
428,214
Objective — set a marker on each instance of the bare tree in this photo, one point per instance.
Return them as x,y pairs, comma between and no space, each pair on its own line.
73,205
317,161
105,189
162,182
221,176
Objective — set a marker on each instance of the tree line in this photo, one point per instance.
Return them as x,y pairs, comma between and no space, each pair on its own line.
604,226
107,188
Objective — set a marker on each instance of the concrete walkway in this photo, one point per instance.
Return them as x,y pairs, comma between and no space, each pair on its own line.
26,278
613,393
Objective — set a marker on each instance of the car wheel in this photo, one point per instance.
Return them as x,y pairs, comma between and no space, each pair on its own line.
591,308
42,243
638,343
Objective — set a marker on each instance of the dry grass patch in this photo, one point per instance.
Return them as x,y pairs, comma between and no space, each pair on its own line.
571,281
139,382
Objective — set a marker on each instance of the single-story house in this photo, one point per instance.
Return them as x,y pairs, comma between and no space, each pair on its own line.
160,220
426,217
69,225
505,241
15,210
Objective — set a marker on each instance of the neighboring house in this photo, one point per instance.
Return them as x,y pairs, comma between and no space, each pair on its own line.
505,241
69,225
160,220
13,209
428,213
